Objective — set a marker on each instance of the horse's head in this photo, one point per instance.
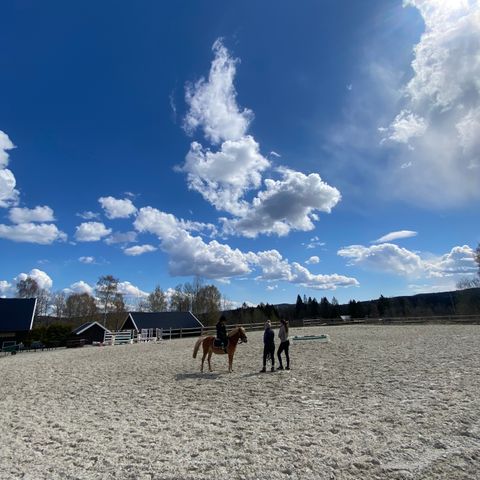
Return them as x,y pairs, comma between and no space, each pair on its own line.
242,335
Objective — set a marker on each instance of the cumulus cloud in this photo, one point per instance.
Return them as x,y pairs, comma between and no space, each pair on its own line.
128,289
385,257
27,215
5,288
286,204
275,268
190,255
212,103
390,237
43,233
139,250
86,260
8,194
440,115
79,287
91,231
223,177
312,260
391,258
117,207
121,237
5,145
459,261
43,280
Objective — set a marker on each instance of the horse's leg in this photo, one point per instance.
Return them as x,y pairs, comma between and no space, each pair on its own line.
208,358
203,358
230,362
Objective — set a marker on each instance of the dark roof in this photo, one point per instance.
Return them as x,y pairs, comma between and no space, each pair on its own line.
165,320
16,314
82,328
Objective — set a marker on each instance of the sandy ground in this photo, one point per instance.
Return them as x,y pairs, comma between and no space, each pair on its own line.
380,402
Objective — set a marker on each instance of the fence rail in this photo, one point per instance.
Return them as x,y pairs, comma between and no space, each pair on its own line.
445,319
128,336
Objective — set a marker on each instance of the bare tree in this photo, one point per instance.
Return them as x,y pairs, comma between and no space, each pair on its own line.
27,288
80,305
156,301
180,301
58,304
106,289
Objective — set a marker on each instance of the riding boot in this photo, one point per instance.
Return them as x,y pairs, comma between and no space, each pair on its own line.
263,370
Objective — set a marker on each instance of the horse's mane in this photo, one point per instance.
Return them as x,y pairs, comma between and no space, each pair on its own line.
234,331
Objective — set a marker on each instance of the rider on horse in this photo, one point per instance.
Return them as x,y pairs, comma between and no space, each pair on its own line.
222,332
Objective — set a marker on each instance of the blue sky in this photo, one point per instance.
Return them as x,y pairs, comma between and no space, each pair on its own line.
325,148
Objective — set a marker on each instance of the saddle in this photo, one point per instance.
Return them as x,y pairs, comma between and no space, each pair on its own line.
218,343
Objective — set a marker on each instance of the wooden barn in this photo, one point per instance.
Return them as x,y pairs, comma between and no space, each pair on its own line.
151,321
89,332
16,318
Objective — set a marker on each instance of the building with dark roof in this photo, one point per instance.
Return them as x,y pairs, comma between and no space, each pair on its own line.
90,332
16,318
165,321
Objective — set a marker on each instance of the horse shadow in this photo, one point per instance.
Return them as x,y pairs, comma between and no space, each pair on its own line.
199,375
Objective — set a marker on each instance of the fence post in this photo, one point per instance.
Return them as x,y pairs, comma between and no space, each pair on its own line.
170,333
180,333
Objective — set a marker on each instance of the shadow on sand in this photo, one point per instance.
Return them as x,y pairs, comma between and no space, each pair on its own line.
204,376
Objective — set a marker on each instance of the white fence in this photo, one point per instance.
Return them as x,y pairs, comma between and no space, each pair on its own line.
120,337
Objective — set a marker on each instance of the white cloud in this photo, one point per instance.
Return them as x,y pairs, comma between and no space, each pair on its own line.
406,126
116,207
313,260
213,105
126,288
79,287
27,215
459,261
8,194
275,268
43,233
389,237
287,204
5,145
139,250
91,231
190,255
86,260
5,288
391,258
223,177
385,257
88,215
120,237
270,288
42,278
440,114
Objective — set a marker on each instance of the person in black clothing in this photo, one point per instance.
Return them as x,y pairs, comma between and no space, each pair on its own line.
222,332
268,347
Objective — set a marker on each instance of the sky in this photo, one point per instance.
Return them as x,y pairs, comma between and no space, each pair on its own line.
274,148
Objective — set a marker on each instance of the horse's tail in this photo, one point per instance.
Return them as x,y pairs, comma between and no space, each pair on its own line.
197,346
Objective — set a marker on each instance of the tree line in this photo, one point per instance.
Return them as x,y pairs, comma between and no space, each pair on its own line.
108,304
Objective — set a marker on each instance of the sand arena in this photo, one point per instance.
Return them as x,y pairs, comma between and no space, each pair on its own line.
383,402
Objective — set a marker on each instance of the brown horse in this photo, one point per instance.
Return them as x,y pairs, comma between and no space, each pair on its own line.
208,348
